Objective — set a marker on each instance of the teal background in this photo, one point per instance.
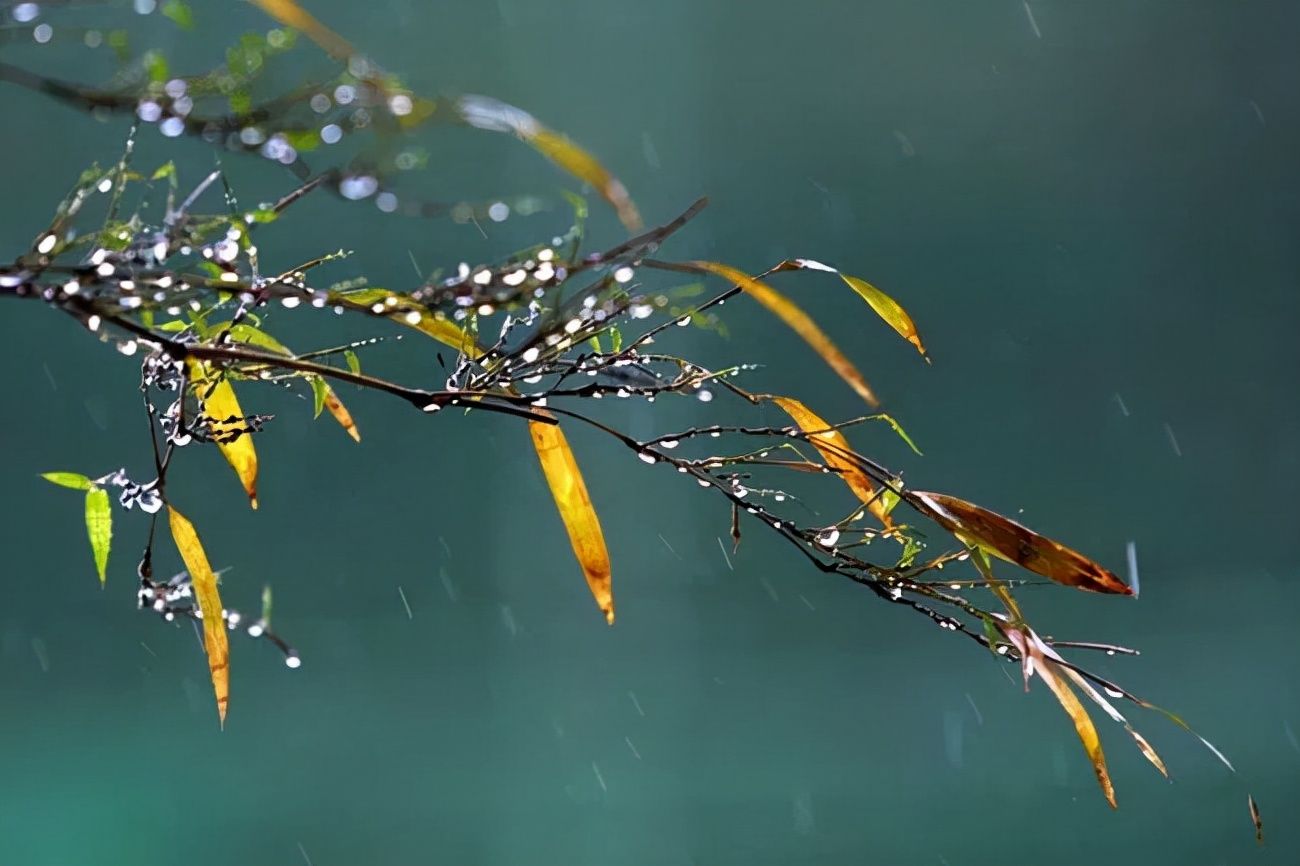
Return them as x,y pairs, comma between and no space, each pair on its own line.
1110,208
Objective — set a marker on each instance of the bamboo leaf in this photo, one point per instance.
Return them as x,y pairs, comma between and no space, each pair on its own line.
1008,540
482,112
571,499
798,321
204,582
404,311
889,310
838,454
1255,819
341,414
1083,725
291,14
99,526
222,406
318,391
71,480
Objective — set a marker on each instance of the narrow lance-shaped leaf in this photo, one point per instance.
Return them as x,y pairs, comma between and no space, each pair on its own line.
836,451
1083,725
798,321
323,395
204,582
406,312
99,526
71,480
1008,540
1255,819
571,499
227,418
885,306
291,14
482,112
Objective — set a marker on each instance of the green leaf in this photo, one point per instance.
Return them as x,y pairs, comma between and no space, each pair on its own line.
180,13
266,606
319,391
167,169
902,434
72,480
156,66
99,526
616,339
354,363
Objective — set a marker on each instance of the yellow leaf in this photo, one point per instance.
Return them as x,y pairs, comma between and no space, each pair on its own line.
219,403
483,112
341,413
835,449
570,492
1008,540
405,311
209,600
799,322
582,165
291,14
1083,725
889,310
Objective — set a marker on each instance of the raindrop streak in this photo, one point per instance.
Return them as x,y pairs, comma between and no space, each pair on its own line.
635,753
1254,106
669,546
406,604
1173,440
303,851
979,717
771,590
599,778
1033,22
447,584
42,657
1123,407
1131,554
640,712
723,548
807,602
952,738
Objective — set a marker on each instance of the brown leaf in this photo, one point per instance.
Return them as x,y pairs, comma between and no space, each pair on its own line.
798,321
837,452
341,414
204,582
1009,540
1255,819
571,499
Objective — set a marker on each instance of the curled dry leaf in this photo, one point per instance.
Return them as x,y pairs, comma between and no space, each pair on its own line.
798,321
1008,540
204,582
837,453
574,504
220,404
1255,819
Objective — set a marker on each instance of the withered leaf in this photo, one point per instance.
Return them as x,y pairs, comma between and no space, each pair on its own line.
1008,540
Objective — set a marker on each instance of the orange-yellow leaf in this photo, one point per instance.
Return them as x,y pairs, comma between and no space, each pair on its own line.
1008,540
1082,723
836,451
570,492
291,14
341,413
889,310
204,582
799,321
484,112
219,403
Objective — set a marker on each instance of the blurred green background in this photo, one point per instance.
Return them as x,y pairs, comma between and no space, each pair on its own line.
1100,201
